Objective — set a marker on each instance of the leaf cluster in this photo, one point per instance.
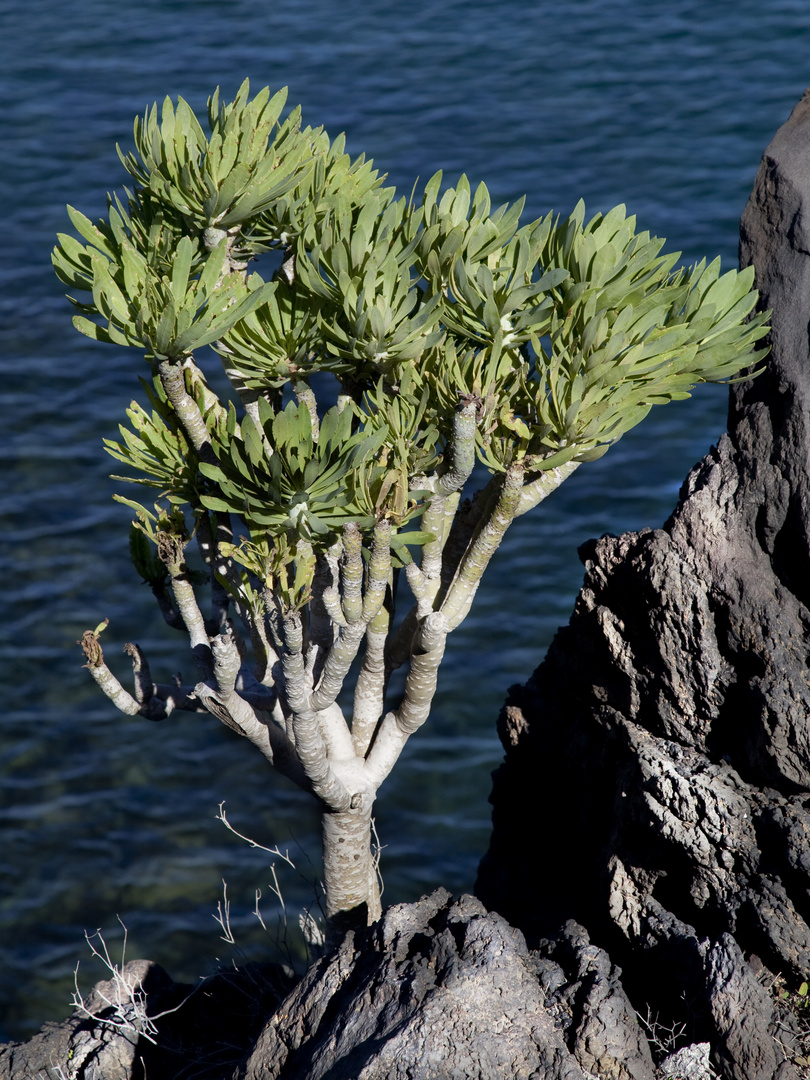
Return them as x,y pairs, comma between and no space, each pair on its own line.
564,333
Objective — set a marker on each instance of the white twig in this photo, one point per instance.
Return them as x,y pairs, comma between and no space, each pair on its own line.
223,915
253,843
256,910
129,1003
376,855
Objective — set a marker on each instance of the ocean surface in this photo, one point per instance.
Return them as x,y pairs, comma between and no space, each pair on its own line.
108,821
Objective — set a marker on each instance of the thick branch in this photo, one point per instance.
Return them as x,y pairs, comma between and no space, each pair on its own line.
420,688
369,690
144,703
309,740
321,624
174,384
337,665
462,451
466,522
144,687
459,529
420,684
351,573
379,571
535,491
120,697
437,519
442,506
170,552
358,610
491,531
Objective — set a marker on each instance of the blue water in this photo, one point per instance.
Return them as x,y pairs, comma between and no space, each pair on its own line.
664,107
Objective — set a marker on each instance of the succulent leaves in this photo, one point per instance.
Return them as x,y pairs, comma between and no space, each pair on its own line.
563,333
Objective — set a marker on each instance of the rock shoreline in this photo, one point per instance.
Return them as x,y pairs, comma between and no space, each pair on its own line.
439,988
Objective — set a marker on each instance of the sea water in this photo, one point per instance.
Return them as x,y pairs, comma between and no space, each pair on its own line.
109,821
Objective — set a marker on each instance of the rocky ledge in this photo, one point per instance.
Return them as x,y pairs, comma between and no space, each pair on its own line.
667,732
436,989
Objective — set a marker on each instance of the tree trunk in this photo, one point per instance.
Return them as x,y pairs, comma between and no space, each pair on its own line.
657,776
350,871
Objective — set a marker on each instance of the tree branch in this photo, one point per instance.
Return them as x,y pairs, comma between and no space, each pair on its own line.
310,745
536,490
369,690
420,688
173,380
485,542
351,573
171,554
462,449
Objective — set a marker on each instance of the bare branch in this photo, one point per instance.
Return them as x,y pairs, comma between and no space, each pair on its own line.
173,380
221,816
488,536
535,491
309,739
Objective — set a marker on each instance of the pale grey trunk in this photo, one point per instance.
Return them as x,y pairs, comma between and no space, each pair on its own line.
349,868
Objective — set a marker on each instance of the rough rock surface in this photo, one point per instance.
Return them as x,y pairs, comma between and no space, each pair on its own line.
690,1063
437,989
444,989
667,733
144,1026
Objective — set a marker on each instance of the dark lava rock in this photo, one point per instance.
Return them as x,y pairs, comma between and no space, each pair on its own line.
445,989
667,733
143,1026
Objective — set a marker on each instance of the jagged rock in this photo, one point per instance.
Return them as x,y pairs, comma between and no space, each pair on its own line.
437,989
144,1026
445,989
667,733
688,1063
100,1042
599,1022
742,1013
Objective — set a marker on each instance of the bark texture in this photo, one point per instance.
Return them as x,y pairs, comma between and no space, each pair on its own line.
656,785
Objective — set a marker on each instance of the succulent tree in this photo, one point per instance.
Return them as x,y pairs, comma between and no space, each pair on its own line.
402,353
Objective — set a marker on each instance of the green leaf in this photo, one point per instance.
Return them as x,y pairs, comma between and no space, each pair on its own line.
412,539
180,269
